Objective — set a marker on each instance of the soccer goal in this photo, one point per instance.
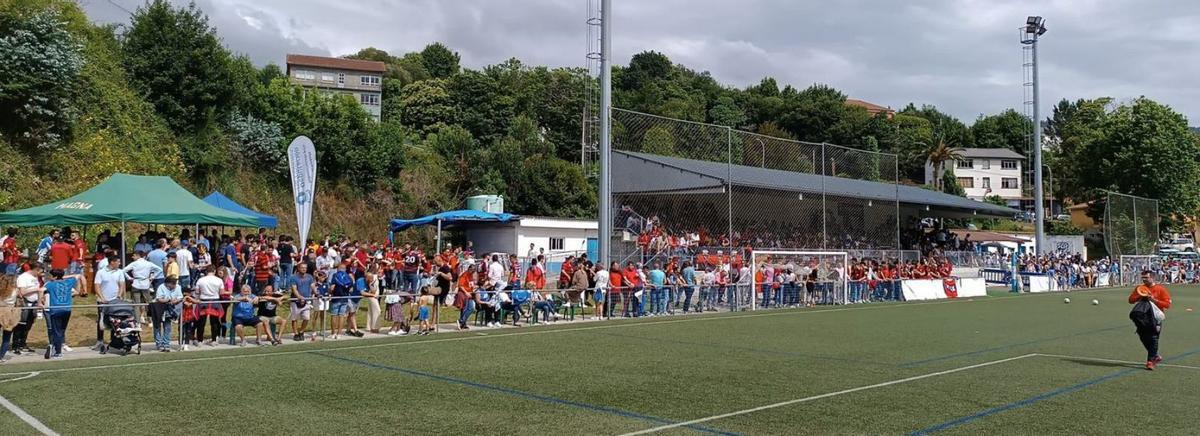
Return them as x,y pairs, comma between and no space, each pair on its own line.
819,278
1131,267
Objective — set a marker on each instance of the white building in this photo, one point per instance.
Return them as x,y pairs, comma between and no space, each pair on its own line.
559,237
984,172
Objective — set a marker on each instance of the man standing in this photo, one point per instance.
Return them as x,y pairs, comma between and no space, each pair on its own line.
9,251
110,285
412,269
1150,301
142,273
302,285
495,273
186,261
43,249
29,289
158,257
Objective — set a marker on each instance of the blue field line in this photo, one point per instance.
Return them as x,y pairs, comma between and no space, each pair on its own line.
523,394
1037,398
747,349
1009,346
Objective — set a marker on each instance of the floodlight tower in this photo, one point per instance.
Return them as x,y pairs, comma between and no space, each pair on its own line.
605,179
1034,28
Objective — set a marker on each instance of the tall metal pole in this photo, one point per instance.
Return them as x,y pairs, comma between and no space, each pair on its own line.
1038,198
605,191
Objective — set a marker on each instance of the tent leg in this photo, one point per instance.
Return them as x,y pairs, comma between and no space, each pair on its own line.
439,237
124,237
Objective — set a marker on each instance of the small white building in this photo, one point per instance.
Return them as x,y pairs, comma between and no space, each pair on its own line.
559,237
984,172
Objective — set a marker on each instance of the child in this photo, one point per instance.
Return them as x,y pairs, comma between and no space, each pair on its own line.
426,305
320,305
189,318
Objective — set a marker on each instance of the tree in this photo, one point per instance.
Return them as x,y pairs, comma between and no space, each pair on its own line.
176,60
439,61
1144,148
258,143
660,141
811,114
871,170
996,200
938,152
727,113
942,124
950,185
39,62
427,106
1007,129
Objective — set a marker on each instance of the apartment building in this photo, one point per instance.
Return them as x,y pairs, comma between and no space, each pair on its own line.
362,80
984,172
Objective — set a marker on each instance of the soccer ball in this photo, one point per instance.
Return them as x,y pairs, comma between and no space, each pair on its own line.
1095,302
1067,300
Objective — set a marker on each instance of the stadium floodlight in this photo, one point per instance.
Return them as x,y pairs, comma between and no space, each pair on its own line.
1035,27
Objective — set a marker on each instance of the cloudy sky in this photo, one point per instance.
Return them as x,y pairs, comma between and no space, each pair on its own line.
961,55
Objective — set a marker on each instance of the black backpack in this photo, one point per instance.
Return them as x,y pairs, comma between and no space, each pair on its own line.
1142,314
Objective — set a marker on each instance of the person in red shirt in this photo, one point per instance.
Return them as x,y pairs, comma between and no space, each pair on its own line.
633,283
1157,295
9,252
264,262
616,288
61,254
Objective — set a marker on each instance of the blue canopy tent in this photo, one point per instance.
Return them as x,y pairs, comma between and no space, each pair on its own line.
451,219
220,200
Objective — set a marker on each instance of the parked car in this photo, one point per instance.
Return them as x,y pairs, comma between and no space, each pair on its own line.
1179,244
1062,217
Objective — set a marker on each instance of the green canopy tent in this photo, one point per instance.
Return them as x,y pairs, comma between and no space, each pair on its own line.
128,198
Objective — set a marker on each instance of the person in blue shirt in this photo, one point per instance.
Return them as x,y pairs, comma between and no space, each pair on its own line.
658,296
60,291
243,315
43,249
689,282
356,291
158,256
167,298
320,303
339,305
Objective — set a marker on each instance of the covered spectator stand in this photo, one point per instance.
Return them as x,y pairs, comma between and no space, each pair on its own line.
452,219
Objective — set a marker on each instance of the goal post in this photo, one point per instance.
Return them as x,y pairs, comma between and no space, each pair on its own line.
828,268
1131,267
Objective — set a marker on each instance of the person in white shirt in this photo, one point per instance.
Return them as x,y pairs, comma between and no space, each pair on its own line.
142,272
496,273
600,296
109,285
30,290
209,288
183,257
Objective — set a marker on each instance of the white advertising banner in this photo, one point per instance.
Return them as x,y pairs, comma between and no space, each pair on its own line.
302,159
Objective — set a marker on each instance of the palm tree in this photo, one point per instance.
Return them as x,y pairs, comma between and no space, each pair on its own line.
939,151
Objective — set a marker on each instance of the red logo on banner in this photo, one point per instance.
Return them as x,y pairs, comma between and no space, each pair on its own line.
951,288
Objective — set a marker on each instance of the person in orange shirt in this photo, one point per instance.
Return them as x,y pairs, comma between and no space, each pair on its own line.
535,277
1148,330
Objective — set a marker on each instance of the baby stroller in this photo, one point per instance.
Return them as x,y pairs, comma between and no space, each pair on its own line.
125,332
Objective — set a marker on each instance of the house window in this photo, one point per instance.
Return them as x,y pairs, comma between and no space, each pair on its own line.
327,77
985,164
987,183
556,244
369,99
1008,164
304,75
1008,183
368,80
341,79
966,182
966,163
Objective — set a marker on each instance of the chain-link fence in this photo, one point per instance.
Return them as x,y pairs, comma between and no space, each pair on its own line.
679,185
1130,225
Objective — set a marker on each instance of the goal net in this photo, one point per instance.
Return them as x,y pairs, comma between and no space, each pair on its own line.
1131,267
799,278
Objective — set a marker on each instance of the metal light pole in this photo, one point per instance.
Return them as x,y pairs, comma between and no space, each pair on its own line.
605,191
1035,27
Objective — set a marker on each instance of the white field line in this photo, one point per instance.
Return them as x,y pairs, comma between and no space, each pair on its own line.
478,336
1100,359
21,413
827,395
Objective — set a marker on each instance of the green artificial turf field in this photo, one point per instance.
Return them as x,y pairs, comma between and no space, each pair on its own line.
1004,364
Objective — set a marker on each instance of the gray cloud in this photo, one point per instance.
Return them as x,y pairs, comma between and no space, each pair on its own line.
961,55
